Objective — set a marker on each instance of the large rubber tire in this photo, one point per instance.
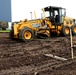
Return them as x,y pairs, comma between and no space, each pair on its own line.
73,29
66,30
11,34
4,25
3,28
26,34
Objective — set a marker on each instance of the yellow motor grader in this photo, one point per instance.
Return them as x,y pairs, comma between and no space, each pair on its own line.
54,21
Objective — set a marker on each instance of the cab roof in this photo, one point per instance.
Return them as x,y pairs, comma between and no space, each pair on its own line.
52,7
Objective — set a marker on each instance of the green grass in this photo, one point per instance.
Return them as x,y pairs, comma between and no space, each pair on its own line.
4,30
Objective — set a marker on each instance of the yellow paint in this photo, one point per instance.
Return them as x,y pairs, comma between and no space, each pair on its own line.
42,23
67,31
75,29
27,35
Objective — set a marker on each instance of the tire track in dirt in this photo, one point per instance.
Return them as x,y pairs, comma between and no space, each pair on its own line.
25,58
40,69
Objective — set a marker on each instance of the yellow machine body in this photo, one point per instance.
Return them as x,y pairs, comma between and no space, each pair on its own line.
28,29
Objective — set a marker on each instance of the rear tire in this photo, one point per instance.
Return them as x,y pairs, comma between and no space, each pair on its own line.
26,34
73,29
66,31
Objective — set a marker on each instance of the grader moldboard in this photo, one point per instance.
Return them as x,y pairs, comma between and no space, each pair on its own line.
54,21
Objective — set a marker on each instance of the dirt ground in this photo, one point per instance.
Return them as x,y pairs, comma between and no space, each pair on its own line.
28,58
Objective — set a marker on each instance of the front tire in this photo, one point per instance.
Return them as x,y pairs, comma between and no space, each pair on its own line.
26,34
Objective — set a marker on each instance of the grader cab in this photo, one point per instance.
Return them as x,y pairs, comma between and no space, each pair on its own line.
60,22
54,22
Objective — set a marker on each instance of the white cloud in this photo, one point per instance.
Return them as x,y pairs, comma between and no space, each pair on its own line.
21,8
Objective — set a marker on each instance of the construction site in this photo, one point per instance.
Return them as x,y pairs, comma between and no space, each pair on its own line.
32,58
45,46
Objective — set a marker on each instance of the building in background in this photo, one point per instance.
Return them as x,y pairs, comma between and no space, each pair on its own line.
5,10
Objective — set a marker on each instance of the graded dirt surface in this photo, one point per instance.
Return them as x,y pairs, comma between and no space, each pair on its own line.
28,58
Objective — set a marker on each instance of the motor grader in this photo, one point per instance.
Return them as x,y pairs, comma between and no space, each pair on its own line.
54,21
